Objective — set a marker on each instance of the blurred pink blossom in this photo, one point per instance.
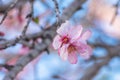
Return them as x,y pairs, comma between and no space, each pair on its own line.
70,41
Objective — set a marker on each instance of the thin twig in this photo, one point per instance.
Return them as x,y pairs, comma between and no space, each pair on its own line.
57,11
39,48
30,18
116,12
8,9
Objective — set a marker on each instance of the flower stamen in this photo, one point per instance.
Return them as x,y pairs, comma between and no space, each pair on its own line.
65,40
71,48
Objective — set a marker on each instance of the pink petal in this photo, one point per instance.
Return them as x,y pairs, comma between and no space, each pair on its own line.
64,28
56,42
75,32
85,36
79,44
63,52
72,57
86,53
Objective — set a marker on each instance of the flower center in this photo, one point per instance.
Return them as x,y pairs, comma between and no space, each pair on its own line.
71,48
65,40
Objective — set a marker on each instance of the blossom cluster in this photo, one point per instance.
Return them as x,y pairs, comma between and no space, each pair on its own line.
70,42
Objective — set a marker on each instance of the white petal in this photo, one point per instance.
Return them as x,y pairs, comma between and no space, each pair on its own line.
87,53
75,32
64,28
56,42
63,52
72,57
86,35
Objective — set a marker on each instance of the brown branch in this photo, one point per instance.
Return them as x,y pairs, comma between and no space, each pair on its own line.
116,12
24,60
8,67
57,11
19,3
65,16
7,10
30,18
39,48
94,69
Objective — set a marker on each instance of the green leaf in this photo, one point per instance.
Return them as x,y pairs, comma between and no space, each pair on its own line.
36,20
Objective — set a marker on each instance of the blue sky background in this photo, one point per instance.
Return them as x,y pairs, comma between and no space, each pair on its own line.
50,65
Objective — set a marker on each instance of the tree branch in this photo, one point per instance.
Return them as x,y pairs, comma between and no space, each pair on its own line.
8,9
116,12
57,11
93,70
30,16
39,48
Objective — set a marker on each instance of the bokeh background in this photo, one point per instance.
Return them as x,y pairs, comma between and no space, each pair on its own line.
102,17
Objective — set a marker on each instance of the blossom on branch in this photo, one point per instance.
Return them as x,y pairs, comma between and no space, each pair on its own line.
70,42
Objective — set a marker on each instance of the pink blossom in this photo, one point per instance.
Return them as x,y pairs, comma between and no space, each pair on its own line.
66,34
70,42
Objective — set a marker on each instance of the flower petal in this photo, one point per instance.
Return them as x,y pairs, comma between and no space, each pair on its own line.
75,32
86,53
63,52
64,28
72,57
56,42
85,36
79,44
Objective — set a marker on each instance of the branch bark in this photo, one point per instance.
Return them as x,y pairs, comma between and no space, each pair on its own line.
38,49
94,69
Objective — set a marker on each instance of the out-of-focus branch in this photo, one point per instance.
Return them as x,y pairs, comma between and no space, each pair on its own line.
8,67
30,18
24,60
65,16
47,36
57,10
116,12
8,9
4,7
72,8
93,70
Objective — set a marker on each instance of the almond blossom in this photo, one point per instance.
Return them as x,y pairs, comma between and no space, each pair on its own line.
70,42
66,34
